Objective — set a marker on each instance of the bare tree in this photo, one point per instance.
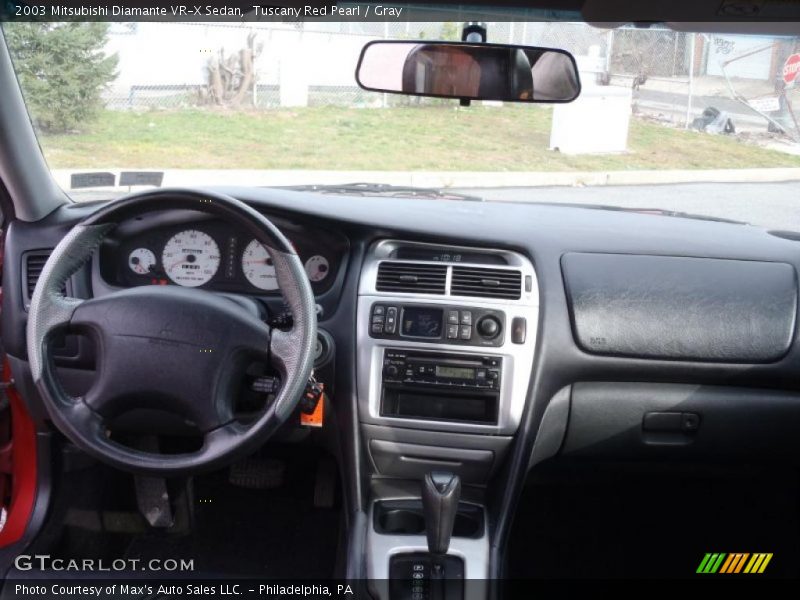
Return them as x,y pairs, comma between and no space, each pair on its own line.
230,79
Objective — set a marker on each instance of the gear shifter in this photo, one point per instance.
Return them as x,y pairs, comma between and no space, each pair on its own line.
443,574
440,494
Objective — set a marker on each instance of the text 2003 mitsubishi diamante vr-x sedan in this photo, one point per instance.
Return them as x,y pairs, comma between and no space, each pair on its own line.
254,338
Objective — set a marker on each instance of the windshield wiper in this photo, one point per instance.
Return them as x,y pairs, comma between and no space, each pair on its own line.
383,189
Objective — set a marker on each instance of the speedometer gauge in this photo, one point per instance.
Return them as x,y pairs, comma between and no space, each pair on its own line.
190,258
257,266
141,260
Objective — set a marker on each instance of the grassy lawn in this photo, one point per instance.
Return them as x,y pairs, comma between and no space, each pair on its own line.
413,138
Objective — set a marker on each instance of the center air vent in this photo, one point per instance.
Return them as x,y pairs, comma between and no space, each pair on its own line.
411,277
486,283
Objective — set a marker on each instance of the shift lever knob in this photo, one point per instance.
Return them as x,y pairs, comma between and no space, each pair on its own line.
440,494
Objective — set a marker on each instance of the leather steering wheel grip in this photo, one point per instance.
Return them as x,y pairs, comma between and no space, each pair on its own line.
295,348
49,307
291,352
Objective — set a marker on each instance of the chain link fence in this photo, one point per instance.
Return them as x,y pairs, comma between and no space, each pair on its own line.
674,76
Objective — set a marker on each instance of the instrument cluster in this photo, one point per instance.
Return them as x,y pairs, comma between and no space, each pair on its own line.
211,254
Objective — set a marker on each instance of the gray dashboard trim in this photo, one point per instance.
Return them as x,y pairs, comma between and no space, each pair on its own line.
553,428
435,445
606,420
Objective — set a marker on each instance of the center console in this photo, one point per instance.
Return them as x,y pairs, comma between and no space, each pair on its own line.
446,340
459,337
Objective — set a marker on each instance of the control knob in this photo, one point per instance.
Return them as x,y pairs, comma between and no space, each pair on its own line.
488,327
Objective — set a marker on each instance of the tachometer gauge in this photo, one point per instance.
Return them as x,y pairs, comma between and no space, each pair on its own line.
317,268
141,260
258,268
190,258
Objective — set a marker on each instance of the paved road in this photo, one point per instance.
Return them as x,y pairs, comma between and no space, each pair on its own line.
769,205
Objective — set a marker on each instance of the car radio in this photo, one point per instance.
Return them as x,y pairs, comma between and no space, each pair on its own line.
442,370
441,386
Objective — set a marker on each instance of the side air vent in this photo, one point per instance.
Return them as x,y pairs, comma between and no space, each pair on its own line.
32,267
411,277
486,283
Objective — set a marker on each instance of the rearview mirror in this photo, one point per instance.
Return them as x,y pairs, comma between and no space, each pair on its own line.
469,71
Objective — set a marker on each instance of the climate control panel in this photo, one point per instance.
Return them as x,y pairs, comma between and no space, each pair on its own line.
438,324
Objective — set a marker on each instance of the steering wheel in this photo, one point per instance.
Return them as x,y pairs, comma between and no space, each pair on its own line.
180,350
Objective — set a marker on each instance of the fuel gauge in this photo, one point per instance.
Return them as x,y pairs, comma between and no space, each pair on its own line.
141,261
317,268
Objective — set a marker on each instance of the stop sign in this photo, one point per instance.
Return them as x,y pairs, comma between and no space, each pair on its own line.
791,68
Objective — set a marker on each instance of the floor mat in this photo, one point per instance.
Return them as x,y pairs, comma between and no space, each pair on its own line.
628,524
239,531
273,533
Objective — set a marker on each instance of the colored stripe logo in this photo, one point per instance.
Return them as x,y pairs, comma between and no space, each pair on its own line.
736,562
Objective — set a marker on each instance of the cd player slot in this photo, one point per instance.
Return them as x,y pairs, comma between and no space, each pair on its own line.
448,361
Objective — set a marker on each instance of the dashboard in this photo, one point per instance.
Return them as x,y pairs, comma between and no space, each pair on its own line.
484,337
210,254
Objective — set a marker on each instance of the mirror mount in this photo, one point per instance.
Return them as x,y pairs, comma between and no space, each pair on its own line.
474,32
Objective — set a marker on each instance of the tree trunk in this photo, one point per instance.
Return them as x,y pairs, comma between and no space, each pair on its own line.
230,80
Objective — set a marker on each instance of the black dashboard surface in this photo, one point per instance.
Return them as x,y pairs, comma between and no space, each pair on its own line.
544,233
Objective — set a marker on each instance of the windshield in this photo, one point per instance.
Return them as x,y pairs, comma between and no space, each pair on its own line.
121,106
